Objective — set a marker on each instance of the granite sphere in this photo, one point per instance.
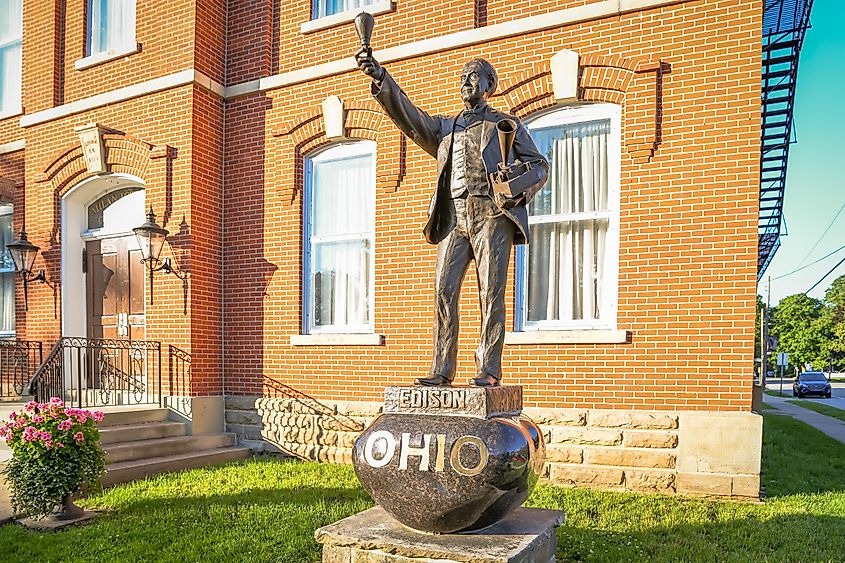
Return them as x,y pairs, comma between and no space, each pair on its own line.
444,474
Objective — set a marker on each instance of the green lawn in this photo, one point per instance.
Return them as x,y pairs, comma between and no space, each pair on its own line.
775,393
267,510
820,408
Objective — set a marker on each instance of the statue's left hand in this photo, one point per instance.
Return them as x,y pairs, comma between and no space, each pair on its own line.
508,202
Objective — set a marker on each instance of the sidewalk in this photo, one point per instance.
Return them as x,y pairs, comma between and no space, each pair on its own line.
833,427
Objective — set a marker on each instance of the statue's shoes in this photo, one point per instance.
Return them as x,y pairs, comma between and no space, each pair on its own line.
485,380
433,381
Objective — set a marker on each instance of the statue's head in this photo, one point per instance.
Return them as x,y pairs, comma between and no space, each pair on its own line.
478,81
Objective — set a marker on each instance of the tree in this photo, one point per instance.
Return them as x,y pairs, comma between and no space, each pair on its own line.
803,329
835,301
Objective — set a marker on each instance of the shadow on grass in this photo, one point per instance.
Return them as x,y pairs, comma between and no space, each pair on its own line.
262,510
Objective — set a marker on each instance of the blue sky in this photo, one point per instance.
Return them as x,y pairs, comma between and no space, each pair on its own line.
815,188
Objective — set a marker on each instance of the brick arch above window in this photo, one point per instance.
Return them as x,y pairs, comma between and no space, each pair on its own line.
633,82
122,153
363,119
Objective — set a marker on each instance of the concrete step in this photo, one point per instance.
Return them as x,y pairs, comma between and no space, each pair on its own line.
143,431
125,471
162,447
119,416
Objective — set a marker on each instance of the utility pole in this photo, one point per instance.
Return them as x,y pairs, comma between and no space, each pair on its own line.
764,336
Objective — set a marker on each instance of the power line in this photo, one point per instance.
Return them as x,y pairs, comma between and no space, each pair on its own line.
835,217
824,276
810,264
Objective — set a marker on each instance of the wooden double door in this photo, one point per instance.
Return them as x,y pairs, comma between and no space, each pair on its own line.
115,278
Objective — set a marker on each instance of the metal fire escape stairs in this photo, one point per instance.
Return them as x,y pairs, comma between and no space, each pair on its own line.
785,23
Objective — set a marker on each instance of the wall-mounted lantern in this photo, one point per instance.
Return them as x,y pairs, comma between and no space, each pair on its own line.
151,238
23,254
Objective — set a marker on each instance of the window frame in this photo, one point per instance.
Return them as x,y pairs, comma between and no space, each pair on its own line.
91,57
335,151
16,107
567,116
315,8
9,210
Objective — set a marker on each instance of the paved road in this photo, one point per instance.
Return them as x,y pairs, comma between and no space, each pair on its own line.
833,427
838,392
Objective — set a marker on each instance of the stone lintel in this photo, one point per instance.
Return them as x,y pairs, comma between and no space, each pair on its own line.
481,402
526,535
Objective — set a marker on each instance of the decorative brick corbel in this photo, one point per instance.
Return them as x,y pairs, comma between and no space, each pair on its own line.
366,120
157,181
643,121
297,137
634,82
7,190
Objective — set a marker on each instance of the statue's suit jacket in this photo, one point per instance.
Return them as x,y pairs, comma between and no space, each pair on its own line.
434,135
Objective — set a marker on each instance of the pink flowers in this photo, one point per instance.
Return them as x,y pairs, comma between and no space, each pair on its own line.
49,425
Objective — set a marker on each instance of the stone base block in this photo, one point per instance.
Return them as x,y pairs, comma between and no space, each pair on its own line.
53,524
527,535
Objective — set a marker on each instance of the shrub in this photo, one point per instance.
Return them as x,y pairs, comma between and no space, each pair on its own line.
55,449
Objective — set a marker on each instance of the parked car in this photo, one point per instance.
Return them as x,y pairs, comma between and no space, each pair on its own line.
810,383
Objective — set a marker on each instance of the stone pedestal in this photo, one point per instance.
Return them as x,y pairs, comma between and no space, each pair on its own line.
449,459
526,535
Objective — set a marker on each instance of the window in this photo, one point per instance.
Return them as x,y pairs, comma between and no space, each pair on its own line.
567,276
339,231
323,8
10,56
7,273
111,26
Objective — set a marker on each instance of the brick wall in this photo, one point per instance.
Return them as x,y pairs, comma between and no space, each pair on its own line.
225,177
687,245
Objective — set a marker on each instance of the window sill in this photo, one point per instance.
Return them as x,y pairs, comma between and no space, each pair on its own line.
337,339
376,8
10,113
106,56
579,336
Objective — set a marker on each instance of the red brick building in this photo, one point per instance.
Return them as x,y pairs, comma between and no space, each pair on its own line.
295,210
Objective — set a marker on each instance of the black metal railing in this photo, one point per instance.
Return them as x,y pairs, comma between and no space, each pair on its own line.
99,372
18,361
179,378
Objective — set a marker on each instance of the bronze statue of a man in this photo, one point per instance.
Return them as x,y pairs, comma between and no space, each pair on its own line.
467,220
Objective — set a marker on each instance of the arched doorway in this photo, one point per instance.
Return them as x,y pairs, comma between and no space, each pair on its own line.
102,274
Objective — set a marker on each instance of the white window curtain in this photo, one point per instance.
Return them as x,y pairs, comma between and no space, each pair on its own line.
111,25
568,222
324,8
10,56
341,196
7,274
